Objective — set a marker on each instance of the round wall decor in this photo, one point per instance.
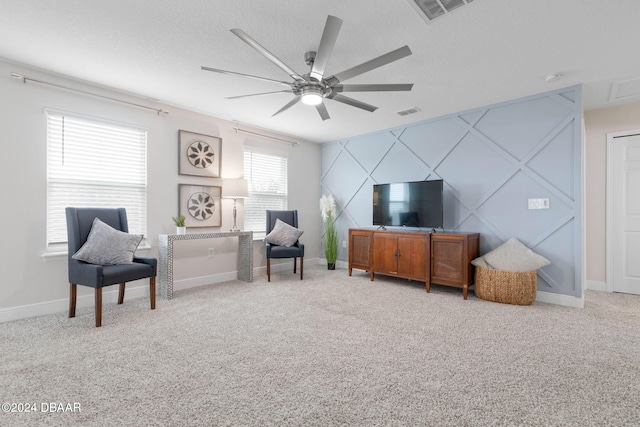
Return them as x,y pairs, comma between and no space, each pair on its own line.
201,206
200,154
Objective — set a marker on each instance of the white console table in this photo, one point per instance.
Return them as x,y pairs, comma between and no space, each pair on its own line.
165,256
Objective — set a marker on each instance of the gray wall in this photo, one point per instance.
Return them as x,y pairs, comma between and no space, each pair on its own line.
34,280
492,160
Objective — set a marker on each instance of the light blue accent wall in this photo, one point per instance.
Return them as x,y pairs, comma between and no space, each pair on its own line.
492,160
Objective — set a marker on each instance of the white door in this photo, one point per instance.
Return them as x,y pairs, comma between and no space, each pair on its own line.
625,211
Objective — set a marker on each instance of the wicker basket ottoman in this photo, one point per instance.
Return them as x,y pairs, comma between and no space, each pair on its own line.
509,287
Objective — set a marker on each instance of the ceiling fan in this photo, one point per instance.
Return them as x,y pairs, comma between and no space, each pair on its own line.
312,88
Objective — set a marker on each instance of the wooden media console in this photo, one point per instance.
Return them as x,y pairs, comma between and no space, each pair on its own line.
441,258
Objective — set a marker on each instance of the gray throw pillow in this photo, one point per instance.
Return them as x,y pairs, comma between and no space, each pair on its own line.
480,262
283,234
107,246
513,255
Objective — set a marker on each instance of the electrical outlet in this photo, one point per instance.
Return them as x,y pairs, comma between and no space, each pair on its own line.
538,203
211,252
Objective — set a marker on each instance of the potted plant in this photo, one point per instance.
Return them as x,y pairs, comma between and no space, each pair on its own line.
328,210
179,221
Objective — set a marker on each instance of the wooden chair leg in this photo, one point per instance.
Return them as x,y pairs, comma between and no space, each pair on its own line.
295,261
152,292
98,294
268,269
73,292
301,266
121,293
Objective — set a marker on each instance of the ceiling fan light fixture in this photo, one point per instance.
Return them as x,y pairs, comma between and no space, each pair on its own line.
312,95
311,88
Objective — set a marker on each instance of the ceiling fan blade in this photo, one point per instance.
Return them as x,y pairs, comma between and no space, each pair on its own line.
322,109
352,102
370,65
270,56
373,87
290,104
233,73
327,42
258,94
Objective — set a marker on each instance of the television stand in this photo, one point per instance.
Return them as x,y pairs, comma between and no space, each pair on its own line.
439,258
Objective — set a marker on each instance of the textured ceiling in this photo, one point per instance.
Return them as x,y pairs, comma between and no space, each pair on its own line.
489,51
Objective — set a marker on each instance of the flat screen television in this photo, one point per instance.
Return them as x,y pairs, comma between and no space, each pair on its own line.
408,204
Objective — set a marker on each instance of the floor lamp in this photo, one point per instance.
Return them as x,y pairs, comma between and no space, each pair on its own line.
235,189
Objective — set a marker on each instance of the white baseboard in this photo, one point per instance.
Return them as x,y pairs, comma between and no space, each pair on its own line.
565,300
597,286
56,306
226,277
204,280
110,294
546,297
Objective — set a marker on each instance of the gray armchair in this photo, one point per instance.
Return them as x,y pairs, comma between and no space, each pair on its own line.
275,251
79,222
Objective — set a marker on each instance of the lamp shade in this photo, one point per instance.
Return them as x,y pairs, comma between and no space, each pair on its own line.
235,188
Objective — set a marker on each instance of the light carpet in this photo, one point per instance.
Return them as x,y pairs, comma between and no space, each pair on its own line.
331,350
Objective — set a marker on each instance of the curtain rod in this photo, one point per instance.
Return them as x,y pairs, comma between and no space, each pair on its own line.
293,143
25,79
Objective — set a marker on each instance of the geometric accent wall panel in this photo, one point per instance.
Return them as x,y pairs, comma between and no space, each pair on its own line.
369,151
359,207
474,224
400,165
550,162
344,178
569,95
472,116
492,160
329,155
473,169
432,141
560,248
455,213
511,201
517,128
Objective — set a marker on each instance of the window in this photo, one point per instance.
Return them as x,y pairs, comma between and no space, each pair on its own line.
267,178
93,163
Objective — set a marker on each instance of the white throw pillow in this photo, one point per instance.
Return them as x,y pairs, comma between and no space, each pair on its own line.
107,246
513,255
283,234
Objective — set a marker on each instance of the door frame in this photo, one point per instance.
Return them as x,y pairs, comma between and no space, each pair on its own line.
611,139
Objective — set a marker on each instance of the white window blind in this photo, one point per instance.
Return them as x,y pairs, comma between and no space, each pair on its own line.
267,178
91,163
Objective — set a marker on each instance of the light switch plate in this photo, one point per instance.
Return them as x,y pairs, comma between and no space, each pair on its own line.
538,203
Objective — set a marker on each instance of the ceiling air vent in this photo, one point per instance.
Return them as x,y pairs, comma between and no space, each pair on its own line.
433,9
408,111
626,89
